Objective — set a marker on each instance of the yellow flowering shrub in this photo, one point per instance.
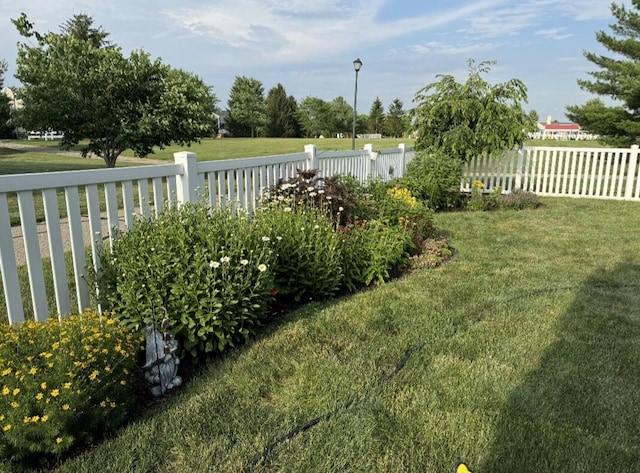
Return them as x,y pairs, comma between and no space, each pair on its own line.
404,195
63,383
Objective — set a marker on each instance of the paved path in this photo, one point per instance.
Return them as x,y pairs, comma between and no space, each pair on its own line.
16,231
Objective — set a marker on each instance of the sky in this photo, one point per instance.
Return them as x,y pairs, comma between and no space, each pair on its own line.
309,45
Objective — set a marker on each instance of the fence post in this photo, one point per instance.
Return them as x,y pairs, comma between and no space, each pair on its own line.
368,172
403,160
187,182
631,172
312,160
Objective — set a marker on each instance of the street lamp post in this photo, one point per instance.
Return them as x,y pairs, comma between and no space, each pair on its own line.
357,64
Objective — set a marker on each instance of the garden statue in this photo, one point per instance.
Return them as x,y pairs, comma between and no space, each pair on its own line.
161,366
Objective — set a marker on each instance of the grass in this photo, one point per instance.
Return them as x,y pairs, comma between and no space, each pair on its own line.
521,355
210,149
568,143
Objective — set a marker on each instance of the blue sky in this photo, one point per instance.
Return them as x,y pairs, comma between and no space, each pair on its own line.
309,46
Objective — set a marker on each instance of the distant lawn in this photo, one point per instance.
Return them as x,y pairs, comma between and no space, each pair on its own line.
568,144
24,161
519,356
230,148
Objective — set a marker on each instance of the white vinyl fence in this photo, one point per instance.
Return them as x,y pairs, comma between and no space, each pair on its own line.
603,173
100,203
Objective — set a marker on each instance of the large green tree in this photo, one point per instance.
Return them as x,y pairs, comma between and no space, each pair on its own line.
246,106
281,119
5,106
618,77
314,115
396,121
376,116
89,92
342,116
463,120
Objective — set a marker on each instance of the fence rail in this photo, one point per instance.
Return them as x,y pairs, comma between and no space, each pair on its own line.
100,203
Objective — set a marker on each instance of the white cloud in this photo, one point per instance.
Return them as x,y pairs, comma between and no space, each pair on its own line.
554,33
435,47
286,31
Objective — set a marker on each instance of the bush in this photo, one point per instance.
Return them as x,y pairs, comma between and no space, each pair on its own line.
63,383
207,270
370,251
518,200
307,250
338,195
435,179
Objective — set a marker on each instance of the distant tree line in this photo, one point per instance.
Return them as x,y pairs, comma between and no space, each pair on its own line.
278,115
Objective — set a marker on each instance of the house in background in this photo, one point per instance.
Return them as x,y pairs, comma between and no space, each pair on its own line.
553,130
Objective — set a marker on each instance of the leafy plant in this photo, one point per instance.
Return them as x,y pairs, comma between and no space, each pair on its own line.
210,271
435,179
63,383
336,195
306,248
371,250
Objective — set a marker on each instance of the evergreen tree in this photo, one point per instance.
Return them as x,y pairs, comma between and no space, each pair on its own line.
376,117
397,120
618,78
246,107
280,114
80,26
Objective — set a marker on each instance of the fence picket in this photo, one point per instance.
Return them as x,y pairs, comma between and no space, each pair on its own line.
581,172
32,252
56,250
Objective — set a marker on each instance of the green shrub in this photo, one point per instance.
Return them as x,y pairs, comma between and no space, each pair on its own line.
477,201
307,250
338,195
63,383
370,251
209,271
435,179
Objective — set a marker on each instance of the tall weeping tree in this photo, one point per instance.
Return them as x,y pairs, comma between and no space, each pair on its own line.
463,120
73,84
618,77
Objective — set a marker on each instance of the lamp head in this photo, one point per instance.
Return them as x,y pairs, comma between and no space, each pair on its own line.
357,64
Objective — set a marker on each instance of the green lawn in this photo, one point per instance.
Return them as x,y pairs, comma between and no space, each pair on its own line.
520,355
568,144
230,148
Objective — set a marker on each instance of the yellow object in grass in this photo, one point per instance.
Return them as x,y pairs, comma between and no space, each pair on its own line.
462,468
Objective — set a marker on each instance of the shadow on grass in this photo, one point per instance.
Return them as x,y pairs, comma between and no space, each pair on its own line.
579,410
